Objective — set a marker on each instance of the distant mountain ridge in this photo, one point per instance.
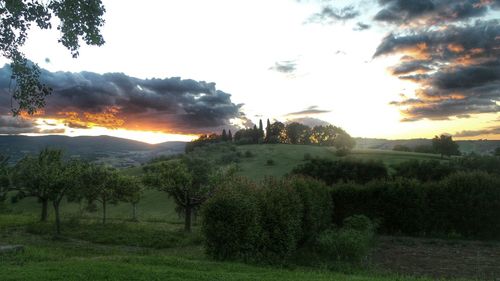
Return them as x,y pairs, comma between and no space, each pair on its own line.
115,151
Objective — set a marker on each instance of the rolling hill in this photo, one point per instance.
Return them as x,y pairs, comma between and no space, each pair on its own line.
115,151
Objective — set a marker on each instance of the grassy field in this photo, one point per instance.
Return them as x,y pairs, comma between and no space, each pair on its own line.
103,255
286,157
156,248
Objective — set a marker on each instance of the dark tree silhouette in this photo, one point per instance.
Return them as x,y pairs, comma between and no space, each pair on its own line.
4,177
230,136
34,176
445,145
224,135
78,20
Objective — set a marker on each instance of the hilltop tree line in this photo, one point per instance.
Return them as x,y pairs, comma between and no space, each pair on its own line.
442,144
278,132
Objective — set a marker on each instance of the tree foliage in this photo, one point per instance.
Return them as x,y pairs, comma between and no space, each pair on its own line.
186,180
36,176
445,145
79,20
5,182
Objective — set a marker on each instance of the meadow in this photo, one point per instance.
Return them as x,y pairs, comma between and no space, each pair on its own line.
156,248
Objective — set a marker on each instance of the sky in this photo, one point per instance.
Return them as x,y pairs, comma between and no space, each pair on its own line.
171,70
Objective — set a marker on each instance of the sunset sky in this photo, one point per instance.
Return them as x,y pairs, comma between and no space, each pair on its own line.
170,70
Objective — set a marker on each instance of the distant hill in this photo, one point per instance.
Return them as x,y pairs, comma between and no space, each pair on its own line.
115,151
467,146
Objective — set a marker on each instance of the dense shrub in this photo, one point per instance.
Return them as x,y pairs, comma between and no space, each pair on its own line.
331,171
231,222
466,203
265,223
317,206
351,242
431,170
270,162
280,220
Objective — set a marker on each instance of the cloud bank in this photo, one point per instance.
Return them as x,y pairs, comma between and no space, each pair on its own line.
115,100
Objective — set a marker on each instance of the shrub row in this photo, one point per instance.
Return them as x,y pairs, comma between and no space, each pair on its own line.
331,171
465,203
266,222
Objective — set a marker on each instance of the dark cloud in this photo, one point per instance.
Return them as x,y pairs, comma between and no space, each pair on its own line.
288,66
330,14
308,121
432,11
411,66
361,26
19,125
458,69
16,125
474,133
116,100
309,111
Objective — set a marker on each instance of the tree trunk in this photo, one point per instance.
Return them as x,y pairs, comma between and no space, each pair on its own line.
45,203
58,218
103,211
187,219
134,211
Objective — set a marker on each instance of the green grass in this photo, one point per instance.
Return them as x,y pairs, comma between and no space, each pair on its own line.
68,258
286,157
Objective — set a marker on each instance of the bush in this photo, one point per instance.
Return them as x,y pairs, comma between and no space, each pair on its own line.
359,223
266,223
465,203
231,222
248,154
280,220
432,170
331,171
350,243
317,206
270,162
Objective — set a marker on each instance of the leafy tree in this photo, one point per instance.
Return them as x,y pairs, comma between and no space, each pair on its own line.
185,180
102,184
229,136
34,176
4,178
445,145
277,133
66,182
344,143
131,190
78,20
297,133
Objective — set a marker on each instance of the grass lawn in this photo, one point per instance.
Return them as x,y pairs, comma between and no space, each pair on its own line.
286,157
77,256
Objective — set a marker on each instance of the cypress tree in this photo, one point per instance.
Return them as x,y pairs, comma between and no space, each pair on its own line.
224,135
268,130
230,136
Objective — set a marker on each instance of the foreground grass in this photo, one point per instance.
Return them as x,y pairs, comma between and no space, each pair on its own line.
134,251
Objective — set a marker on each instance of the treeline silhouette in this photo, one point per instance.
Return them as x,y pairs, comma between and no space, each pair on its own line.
278,132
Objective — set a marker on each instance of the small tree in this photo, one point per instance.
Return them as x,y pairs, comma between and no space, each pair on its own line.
4,178
102,184
34,176
445,145
132,191
67,181
186,180
230,136
344,143
224,135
